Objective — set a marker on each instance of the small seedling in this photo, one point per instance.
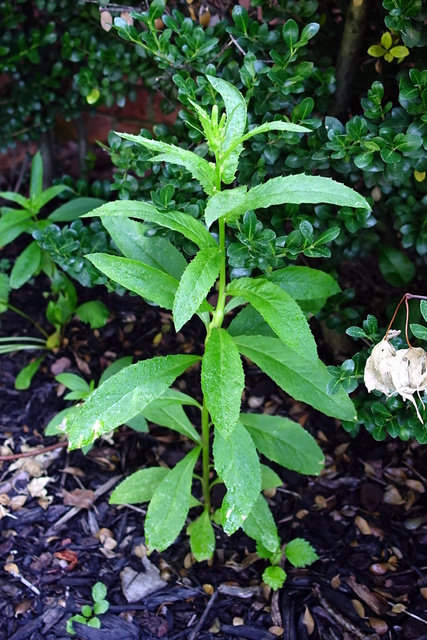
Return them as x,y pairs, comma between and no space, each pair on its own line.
89,615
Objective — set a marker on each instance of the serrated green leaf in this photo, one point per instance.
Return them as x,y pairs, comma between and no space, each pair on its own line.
202,537
237,464
260,526
303,379
423,309
123,396
148,282
129,236
221,203
284,442
298,189
179,221
26,265
199,168
274,577
94,312
309,287
170,503
223,380
139,487
300,553
196,282
279,310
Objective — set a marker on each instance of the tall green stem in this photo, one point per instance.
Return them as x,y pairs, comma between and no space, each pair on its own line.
205,456
217,319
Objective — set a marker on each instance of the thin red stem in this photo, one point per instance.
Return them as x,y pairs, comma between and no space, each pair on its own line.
406,297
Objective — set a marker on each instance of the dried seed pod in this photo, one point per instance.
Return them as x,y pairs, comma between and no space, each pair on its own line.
403,371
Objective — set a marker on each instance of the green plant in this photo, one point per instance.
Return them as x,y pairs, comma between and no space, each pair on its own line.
271,330
51,246
89,614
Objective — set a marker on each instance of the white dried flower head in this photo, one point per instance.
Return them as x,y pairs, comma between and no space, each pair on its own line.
403,371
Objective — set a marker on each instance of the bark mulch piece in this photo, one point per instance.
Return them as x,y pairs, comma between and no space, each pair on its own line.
365,515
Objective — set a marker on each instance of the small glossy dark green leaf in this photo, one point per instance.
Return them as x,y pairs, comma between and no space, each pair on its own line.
419,331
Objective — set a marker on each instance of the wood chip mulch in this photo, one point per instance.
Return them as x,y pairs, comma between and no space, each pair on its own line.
365,515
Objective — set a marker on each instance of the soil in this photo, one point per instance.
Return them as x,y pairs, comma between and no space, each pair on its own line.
365,515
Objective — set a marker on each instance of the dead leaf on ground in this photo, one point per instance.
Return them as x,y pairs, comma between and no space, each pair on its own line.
308,621
136,586
37,487
80,498
60,365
